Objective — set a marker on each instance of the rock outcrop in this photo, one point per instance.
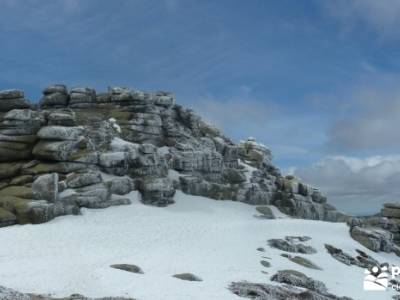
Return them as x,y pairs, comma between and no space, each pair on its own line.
295,286
79,148
380,232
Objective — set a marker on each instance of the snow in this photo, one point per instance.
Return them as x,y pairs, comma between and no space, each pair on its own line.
215,240
115,125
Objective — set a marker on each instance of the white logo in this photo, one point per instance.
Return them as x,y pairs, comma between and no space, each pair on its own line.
376,279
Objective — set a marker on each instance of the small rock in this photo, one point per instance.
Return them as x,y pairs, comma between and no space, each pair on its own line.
128,268
265,263
187,277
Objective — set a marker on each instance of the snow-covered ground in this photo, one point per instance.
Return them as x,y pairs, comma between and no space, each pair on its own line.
215,240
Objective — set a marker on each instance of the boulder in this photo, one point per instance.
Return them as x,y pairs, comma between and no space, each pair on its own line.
60,133
56,99
391,211
55,88
373,238
120,185
54,150
82,97
299,279
157,191
61,118
11,94
45,187
233,176
187,277
77,180
128,267
290,246
7,218
12,99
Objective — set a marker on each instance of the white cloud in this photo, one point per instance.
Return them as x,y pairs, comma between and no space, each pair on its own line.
352,183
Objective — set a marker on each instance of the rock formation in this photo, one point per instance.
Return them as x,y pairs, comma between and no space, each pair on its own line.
295,286
79,148
380,232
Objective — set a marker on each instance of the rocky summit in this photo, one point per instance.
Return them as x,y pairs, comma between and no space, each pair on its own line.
79,148
76,150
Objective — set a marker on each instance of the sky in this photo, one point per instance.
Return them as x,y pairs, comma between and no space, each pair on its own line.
316,81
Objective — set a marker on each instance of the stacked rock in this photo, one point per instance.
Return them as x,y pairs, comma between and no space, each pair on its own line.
58,142
18,130
55,96
254,153
145,114
380,232
82,97
12,99
127,96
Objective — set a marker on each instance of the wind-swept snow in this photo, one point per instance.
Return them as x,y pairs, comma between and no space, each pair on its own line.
214,240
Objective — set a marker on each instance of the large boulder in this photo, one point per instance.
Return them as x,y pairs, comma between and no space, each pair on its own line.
121,185
12,99
55,96
61,118
77,180
60,133
373,238
54,150
45,187
157,191
82,97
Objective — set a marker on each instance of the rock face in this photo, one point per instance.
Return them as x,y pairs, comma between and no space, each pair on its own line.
79,148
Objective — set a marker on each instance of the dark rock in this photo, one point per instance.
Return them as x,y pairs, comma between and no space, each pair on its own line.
290,246
300,280
265,263
262,291
128,267
187,277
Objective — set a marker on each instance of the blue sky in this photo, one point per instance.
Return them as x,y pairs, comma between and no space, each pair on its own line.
316,81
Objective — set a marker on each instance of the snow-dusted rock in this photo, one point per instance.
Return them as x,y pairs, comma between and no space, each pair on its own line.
77,180
45,187
60,133
157,191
